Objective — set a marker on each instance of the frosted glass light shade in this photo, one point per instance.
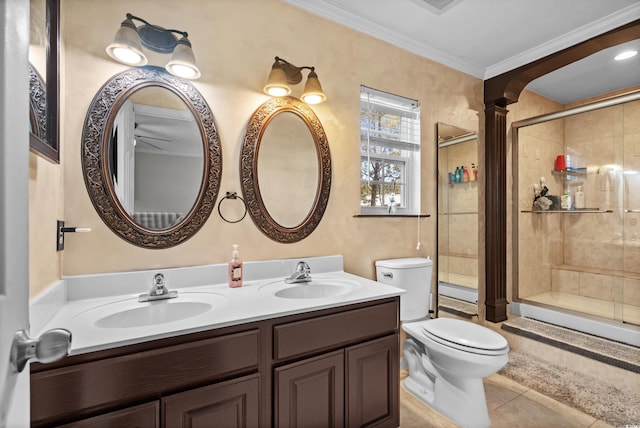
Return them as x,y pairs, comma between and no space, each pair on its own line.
183,61
126,46
277,85
312,90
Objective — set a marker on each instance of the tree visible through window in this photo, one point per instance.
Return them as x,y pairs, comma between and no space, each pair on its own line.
389,153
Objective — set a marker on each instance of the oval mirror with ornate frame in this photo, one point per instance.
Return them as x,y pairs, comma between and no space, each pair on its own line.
98,158
251,165
37,105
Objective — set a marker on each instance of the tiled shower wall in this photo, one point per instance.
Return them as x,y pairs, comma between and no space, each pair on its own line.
591,255
539,235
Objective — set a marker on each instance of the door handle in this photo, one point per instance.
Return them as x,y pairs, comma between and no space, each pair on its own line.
51,346
631,211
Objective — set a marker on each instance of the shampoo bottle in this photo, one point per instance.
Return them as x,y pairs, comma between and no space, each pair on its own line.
565,201
474,172
235,269
579,198
465,175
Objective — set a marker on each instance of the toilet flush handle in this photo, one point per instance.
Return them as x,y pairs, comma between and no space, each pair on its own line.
387,274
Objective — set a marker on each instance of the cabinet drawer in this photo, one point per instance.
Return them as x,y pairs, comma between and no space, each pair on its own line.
142,416
333,331
100,384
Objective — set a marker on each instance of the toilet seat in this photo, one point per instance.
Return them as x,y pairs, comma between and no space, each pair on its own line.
465,336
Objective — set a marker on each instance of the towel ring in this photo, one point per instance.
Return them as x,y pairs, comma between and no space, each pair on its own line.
232,195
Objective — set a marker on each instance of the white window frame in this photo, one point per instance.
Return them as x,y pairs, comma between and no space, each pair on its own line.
411,186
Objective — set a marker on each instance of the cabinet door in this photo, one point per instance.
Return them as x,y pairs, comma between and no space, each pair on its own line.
373,384
310,393
230,404
142,416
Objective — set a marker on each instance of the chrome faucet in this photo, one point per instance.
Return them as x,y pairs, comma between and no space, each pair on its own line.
301,274
158,290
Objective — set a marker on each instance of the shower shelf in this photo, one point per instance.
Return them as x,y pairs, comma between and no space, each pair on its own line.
571,178
574,173
574,211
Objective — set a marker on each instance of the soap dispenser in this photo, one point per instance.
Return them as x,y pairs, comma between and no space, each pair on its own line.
235,269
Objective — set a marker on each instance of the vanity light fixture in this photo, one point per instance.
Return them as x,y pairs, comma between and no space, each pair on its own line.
283,74
129,40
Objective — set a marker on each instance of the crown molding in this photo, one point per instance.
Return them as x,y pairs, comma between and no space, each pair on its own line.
586,32
351,20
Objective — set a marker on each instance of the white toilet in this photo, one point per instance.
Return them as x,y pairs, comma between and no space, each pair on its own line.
447,358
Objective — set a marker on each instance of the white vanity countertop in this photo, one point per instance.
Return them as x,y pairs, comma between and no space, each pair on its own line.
77,302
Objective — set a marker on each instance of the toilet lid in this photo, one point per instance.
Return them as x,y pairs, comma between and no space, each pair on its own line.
465,335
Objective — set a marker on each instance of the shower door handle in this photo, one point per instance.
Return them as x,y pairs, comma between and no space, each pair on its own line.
631,211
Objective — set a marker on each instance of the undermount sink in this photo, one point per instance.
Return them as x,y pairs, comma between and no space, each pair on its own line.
131,313
315,289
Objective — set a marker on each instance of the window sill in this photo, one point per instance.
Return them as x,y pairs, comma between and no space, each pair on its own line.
392,215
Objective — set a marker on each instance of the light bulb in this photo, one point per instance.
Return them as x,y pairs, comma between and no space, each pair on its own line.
312,99
127,55
277,91
183,71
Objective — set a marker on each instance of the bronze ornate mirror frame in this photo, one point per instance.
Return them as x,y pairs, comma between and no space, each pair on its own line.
249,169
37,106
95,157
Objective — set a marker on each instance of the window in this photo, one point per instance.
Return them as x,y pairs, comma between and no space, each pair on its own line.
389,153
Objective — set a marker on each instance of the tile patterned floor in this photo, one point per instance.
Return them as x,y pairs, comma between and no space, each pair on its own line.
510,405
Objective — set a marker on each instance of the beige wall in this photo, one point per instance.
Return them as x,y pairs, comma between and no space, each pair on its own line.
46,200
235,42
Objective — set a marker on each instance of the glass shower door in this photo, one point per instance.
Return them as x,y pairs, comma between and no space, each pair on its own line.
584,259
629,297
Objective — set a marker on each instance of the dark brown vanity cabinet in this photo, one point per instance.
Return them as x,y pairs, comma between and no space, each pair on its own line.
120,387
327,368
232,404
355,386
229,404
143,416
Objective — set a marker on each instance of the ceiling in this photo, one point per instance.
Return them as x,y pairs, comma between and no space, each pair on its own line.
485,38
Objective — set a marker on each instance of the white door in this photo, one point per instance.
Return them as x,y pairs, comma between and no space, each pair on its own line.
14,201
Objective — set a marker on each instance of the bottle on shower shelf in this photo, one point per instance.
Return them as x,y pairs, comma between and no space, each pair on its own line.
473,176
465,175
579,198
565,200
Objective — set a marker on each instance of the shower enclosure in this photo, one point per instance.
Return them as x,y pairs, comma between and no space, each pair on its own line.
457,213
583,260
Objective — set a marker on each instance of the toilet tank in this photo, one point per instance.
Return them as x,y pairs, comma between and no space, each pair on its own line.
414,276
